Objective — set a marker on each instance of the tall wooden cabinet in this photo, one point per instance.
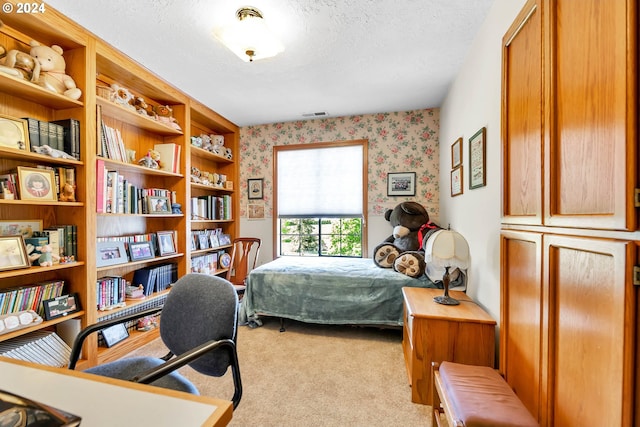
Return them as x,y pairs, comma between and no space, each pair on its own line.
92,63
569,313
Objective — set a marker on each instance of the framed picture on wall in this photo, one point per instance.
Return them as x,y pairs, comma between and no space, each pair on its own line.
478,159
401,184
456,182
255,188
456,153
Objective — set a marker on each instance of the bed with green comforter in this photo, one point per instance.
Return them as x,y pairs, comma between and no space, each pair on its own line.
326,290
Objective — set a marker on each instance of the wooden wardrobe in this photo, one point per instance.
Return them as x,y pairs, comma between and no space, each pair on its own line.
569,239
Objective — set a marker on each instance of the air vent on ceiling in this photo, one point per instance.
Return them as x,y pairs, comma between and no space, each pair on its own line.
316,114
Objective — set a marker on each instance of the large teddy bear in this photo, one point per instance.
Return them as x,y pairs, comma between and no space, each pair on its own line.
403,250
52,70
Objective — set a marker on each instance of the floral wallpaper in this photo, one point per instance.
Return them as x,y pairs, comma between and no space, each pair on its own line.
398,142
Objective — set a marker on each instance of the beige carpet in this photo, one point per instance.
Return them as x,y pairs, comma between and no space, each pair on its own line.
315,375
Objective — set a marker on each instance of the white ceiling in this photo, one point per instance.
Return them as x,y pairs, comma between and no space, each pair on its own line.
345,57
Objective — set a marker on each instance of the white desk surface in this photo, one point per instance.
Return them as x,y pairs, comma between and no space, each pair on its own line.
109,402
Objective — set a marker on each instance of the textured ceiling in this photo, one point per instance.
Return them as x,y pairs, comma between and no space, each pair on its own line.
345,57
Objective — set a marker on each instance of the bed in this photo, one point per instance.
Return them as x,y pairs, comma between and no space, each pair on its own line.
351,291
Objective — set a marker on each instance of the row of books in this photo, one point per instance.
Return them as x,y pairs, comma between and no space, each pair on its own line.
115,194
63,135
211,207
42,347
29,297
110,143
206,264
10,187
155,279
110,292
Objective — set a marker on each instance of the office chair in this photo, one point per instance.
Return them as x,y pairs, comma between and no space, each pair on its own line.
244,257
198,324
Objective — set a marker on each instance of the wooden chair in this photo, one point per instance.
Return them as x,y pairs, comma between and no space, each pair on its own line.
244,257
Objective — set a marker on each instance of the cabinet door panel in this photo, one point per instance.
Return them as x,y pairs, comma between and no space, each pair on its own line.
521,315
591,82
589,339
522,118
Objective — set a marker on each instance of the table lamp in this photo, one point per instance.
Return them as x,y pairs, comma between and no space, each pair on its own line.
447,249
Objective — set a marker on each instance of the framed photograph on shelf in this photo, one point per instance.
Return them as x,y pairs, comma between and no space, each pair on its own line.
401,184
456,153
203,241
37,184
478,159
13,253
23,227
14,133
158,205
456,182
110,253
61,306
139,251
166,243
114,334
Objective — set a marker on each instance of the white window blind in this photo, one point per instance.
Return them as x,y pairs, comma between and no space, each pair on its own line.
320,182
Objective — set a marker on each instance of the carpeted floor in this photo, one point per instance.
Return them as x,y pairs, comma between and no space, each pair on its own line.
316,375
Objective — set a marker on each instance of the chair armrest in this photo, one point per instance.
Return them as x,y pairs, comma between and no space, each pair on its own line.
86,332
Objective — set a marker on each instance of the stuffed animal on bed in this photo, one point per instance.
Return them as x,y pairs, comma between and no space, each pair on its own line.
403,250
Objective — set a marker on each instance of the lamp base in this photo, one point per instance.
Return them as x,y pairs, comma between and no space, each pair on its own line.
446,300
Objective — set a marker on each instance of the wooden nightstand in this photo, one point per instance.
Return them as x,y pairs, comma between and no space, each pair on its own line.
434,332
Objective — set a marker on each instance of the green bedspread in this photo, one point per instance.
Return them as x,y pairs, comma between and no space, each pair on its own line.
327,290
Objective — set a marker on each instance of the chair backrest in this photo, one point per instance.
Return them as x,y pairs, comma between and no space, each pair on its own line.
244,257
198,309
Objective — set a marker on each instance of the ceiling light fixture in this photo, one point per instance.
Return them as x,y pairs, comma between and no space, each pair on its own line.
249,37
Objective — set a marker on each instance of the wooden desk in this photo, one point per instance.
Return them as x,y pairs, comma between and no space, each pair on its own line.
106,402
434,332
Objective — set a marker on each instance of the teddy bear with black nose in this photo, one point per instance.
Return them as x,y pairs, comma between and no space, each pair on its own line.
403,250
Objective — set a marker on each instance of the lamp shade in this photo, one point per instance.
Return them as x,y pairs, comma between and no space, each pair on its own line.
249,37
447,248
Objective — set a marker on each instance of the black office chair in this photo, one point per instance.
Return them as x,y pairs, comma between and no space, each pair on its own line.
198,325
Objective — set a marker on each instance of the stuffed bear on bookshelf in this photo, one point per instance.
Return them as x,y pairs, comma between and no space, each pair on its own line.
53,74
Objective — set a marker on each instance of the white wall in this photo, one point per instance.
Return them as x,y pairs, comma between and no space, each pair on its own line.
473,101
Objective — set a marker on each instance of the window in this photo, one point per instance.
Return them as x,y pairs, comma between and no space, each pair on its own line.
321,199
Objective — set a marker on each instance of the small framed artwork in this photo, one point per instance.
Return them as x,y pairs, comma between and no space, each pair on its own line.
224,239
166,244
478,159
255,188
14,133
61,306
139,251
456,182
13,253
456,153
110,253
213,240
255,211
23,227
401,184
203,241
158,205
37,184
114,334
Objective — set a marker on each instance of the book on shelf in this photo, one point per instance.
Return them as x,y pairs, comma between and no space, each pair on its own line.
70,136
43,128
34,132
29,297
110,292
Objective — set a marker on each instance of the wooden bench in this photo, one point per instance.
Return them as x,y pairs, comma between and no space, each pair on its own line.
475,396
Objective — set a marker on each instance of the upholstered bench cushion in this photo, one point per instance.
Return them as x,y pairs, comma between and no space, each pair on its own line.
482,398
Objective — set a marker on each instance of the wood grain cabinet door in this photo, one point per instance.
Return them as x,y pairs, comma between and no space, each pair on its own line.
590,159
592,318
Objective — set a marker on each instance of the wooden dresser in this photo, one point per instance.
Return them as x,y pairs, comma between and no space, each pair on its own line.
434,332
